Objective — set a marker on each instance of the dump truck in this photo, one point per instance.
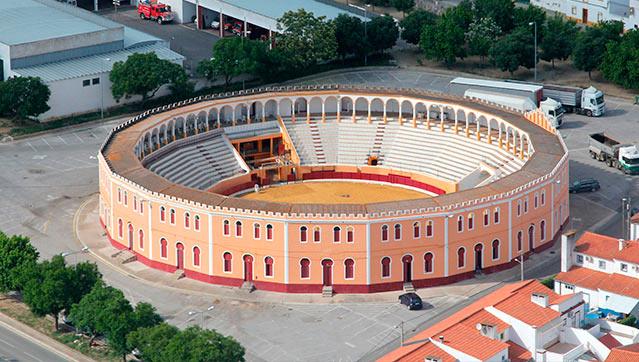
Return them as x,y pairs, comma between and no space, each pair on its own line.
589,101
155,11
624,157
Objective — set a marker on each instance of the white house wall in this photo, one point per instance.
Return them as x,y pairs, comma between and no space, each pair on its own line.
520,332
597,10
5,55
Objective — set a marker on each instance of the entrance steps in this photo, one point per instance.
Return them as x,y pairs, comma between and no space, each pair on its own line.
408,287
248,286
125,256
327,291
179,274
379,139
317,143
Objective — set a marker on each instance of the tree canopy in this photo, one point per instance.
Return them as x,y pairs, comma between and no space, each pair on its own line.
23,97
558,39
514,50
441,41
481,36
403,5
306,39
382,33
349,32
414,22
501,11
232,57
144,74
16,255
621,60
590,46
523,16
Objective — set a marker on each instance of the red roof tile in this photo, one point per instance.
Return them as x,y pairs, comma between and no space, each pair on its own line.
607,247
522,308
428,349
470,341
593,279
629,353
485,318
635,218
609,341
517,353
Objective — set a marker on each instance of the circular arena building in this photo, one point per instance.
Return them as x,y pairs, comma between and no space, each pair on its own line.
333,189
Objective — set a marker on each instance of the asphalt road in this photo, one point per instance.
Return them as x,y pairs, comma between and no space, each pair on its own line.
44,179
15,347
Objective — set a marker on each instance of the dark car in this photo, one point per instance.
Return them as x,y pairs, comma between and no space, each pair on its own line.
411,300
588,184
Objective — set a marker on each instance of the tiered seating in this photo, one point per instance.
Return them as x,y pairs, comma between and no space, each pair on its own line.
252,130
356,141
303,140
199,164
330,137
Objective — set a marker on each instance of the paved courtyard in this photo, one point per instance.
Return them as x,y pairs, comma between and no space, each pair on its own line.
45,179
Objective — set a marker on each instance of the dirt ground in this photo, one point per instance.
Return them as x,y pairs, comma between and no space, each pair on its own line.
334,193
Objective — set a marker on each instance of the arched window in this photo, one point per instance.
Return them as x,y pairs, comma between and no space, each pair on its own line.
348,269
461,257
268,266
238,228
305,271
141,207
196,256
520,236
495,249
460,223
120,228
336,234
119,195
256,231
162,213
317,234
542,230
141,238
496,216
526,205
163,247
486,217
518,207
428,262
172,216
126,198
536,200
543,198
228,262
398,232
303,234
416,230
429,228
471,221
350,234
386,267
384,232
135,203
187,220
269,232
531,237
197,222
227,228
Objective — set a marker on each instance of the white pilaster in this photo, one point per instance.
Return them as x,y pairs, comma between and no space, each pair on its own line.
510,229
286,263
368,253
210,227
446,245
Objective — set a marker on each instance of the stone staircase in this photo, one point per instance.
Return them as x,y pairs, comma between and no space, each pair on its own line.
408,287
124,256
327,291
317,143
379,138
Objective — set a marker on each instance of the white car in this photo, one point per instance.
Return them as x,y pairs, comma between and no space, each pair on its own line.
215,24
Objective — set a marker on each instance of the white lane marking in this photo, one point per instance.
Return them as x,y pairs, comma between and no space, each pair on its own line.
45,141
32,356
62,139
7,343
30,145
350,345
78,137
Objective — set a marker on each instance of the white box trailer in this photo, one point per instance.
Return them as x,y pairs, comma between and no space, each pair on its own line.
460,85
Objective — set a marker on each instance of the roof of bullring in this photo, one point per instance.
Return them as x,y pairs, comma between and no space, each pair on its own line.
118,151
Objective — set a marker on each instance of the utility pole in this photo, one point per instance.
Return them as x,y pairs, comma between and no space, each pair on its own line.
535,24
625,218
520,260
401,333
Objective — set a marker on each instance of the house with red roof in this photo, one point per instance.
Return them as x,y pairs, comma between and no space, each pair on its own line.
605,270
524,321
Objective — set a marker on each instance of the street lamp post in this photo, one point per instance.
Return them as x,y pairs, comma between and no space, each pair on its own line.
107,60
520,260
365,10
535,25
625,218
246,33
201,313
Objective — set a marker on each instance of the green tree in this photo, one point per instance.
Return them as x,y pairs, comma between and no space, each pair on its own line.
590,45
145,315
23,97
463,14
441,41
514,50
403,5
499,10
305,39
382,33
16,255
232,57
523,16
349,32
144,74
197,345
413,24
151,342
558,39
481,35
621,61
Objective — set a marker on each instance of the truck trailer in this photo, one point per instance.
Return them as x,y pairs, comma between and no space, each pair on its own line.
589,101
624,157
460,85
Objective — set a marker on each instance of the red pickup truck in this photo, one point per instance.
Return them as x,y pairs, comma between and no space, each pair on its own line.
155,11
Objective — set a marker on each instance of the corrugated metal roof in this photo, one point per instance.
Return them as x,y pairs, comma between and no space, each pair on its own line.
95,64
496,84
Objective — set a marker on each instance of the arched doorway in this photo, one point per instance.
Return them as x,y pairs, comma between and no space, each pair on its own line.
407,261
180,255
248,268
531,238
130,237
479,257
327,272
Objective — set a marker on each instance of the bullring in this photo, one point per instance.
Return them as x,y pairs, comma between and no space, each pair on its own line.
177,188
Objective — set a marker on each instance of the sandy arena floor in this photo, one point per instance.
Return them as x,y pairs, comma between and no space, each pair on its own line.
334,193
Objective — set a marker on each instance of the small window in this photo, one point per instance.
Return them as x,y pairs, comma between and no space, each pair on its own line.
172,216
163,247
471,221
196,256
304,268
135,203
256,231
197,223
602,264
384,232
337,232
141,238
348,269
162,213
303,234
542,230
520,237
569,287
269,232
526,206
486,217
518,207
574,10
227,228
429,228
536,200
238,229
495,249
86,82
187,220
624,267
350,234
398,232
428,263
460,224
317,234
95,81
386,267
126,198
268,266
461,257
496,216
580,259
120,228
416,230
228,262
119,195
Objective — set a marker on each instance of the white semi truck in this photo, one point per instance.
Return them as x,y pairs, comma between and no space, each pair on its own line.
624,157
589,101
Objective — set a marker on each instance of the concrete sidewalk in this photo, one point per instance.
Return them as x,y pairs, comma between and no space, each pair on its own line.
88,232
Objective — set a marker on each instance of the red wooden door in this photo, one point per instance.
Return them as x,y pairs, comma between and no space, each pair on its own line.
248,268
407,260
180,256
327,268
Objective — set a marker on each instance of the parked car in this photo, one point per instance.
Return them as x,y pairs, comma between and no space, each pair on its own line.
585,185
411,300
215,24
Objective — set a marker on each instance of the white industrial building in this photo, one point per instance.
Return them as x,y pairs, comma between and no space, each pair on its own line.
71,50
589,12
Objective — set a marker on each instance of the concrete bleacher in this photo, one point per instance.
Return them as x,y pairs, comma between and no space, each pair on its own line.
300,133
199,163
252,130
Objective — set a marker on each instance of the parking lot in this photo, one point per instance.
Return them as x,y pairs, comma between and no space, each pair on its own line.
45,179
